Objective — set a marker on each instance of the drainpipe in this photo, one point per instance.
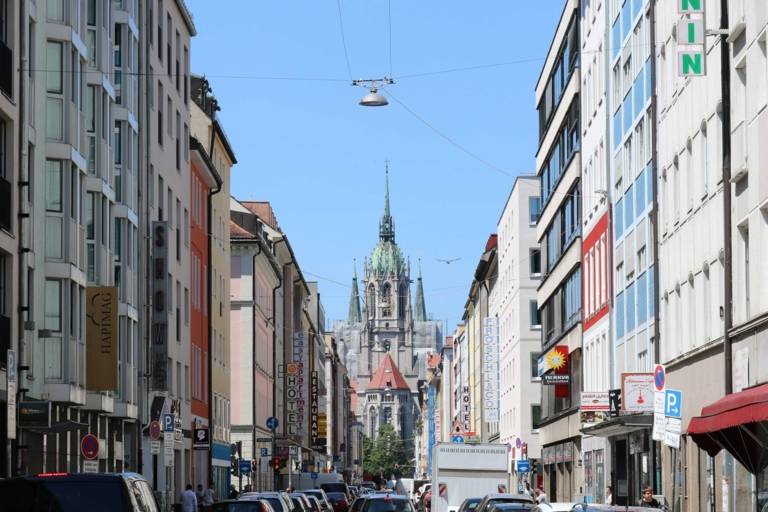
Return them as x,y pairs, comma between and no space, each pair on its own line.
725,85
23,185
209,277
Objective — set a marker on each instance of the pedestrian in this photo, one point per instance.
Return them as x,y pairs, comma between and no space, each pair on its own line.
541,496
200,494
528,490
648,500
289,490
399,486
233,494
188,500
208,497
608,496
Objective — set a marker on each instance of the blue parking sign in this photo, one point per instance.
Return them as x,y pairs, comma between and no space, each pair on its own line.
673,403
169,422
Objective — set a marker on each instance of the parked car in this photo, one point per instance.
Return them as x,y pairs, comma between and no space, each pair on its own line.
491,499
513,507
68,492
300,502
313,501
339,501
387,503
357,504
555,507
589,507
368,485
241,506
337,487
275,500
321,496
470,504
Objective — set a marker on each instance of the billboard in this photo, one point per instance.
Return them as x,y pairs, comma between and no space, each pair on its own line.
101,338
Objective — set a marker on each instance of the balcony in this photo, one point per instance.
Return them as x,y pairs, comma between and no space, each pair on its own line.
6,203
6,70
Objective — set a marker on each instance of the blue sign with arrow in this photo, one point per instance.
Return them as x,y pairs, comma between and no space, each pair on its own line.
523,466
457,439
245,466
673,403
272,423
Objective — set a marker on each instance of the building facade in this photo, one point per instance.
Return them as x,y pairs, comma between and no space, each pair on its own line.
558,162
513,303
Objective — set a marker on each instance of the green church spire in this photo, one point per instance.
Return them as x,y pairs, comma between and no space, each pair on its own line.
420,315
387,223
354,315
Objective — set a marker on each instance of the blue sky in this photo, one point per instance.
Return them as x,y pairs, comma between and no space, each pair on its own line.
308,148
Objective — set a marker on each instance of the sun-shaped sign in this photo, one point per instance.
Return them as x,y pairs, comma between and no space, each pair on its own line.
556,360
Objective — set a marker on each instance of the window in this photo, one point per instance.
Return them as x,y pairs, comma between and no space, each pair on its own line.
54,179
160,99
620,315
535,416
534,315
53,305
160,30
55,10
534,209
535,364
534,262
55,87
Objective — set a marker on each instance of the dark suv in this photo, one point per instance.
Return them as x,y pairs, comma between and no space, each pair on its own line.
66,492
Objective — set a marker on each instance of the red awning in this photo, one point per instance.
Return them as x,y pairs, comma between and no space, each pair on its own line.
738,423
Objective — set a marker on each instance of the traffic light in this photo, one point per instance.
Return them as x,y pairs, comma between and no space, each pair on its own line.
276,464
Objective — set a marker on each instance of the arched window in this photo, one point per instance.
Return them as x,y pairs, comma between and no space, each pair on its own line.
387,416
401,301
403,433
371,302
386,291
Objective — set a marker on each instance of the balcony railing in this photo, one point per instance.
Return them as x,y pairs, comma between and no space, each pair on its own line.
6,69
6,203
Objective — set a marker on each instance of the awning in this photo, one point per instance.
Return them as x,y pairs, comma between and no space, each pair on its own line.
619,426
738,423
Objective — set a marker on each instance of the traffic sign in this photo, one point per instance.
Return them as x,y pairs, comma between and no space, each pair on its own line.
518,443
314,476
457,439
154,430
154,446
245,466
272,423
673,403
89,447
169,422
264,452
90,466
659,377
523,466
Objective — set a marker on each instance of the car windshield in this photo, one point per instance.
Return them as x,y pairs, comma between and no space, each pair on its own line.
334,488
388,505
241,506
276,503
472,503
337,496
493,501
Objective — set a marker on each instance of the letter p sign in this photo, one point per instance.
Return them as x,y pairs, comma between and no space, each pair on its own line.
673,403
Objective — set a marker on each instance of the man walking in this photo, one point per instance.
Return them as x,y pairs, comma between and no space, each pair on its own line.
188,500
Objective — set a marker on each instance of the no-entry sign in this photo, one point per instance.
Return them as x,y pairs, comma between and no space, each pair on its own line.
659,377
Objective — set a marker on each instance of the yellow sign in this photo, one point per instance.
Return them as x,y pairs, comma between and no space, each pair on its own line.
322,424
101,338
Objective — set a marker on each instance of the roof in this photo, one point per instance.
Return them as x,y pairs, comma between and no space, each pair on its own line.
388,376
433,361
263,210
237,231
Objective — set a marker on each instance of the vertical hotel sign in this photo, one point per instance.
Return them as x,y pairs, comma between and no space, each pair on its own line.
294,385
159,306
691,48
101,343
491,369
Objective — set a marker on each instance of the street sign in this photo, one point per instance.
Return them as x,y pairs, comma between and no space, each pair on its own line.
672,432
155,446
659,419
457,439
90,466
89,447
263,439
659,377
245,466
518,443
168,456
293,451
264,452
11,380
523,466
314,476
154,430
169,422
272,423
673,403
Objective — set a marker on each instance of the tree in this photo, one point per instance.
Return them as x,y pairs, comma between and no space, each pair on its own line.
386,454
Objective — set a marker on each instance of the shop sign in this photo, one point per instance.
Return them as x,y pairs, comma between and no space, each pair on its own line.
35,414
614,400
491,368
314,428
101,338
159,322
294,383
637,392
691,48
11,380
595,406
466,409
202,439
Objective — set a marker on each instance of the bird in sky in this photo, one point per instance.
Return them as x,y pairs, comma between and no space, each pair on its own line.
447,261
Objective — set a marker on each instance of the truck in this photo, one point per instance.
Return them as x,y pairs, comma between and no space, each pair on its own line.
302,481
461,471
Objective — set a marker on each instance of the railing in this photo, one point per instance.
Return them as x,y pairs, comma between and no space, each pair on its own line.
6,204
6,69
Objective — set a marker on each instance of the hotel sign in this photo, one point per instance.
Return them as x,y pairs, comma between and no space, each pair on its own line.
101,334
691,47
294,385
466,409
160,306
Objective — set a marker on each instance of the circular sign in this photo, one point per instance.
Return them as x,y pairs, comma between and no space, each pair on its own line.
518,443
89,447
154,430
272,423
659,378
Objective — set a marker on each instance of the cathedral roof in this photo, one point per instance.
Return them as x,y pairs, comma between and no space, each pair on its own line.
386,259
388,376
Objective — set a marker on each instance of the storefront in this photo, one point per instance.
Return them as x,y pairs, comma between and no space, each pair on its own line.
562,478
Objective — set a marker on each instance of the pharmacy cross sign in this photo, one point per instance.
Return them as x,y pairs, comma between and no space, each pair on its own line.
691,51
